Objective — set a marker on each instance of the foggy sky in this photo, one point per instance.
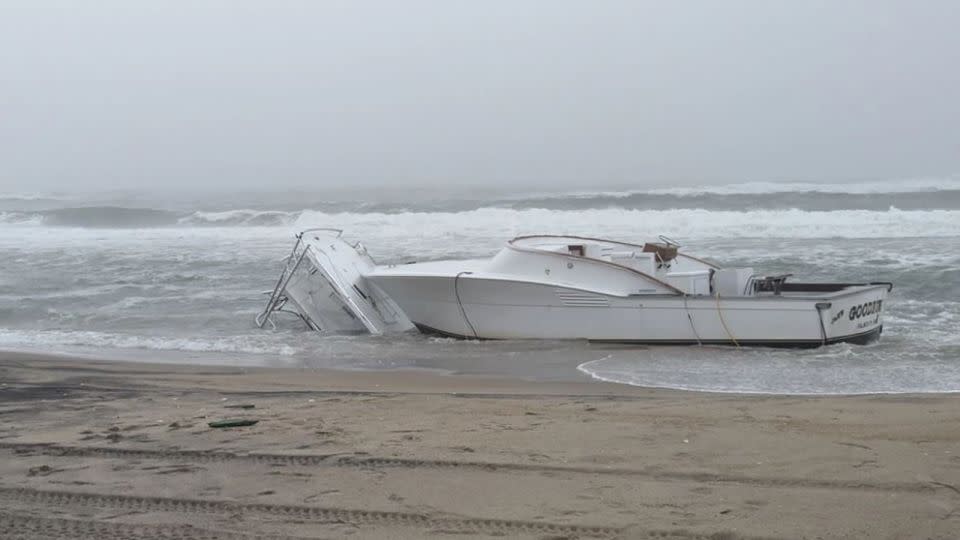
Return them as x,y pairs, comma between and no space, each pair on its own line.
125,94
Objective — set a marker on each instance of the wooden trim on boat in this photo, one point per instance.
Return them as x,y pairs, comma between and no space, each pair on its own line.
528,236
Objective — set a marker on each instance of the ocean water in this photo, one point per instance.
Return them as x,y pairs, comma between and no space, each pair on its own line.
180,276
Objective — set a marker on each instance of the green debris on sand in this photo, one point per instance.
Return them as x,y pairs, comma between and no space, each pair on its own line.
232,422
240,406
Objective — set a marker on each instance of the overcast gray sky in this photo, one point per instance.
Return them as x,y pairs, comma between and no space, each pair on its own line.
126,94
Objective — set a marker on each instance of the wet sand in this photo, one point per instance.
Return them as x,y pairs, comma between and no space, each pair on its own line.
111,450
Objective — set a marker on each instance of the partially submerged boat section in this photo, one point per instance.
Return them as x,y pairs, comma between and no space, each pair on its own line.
571,287
322,279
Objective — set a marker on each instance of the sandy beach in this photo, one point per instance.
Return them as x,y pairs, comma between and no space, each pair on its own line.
105,449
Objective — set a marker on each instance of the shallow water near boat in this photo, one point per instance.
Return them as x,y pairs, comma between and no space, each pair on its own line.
180,278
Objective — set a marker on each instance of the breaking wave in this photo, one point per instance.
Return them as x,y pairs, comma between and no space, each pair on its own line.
701,223
14,197
105,217
239,218
113,217
497,222
749,204
920,185
842,369
21,218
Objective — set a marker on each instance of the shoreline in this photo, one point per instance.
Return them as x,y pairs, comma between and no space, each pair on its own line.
291,379
406,378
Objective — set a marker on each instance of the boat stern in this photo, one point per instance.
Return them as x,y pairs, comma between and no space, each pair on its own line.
856,317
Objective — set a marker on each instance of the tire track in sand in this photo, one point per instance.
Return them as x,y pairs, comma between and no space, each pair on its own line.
23,527
339,460
185,506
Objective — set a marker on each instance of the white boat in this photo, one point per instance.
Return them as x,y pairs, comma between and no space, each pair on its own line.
570,287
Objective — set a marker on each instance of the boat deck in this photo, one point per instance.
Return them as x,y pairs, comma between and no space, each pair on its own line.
477,268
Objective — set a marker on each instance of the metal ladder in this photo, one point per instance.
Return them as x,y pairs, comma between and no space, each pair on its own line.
277,298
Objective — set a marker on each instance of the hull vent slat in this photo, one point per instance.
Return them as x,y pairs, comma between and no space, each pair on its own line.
581,299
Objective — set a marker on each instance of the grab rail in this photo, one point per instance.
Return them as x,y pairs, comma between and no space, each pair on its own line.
889,284
329,229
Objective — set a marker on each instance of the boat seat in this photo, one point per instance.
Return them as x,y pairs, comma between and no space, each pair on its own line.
662,252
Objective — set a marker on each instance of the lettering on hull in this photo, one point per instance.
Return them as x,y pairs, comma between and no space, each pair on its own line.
868,309
864,310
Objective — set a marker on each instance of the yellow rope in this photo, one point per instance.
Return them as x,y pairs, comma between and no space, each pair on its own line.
723,322
689,318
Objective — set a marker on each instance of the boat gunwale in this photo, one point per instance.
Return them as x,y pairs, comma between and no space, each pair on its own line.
850,290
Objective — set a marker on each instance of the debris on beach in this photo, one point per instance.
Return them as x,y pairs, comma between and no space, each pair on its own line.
42,470
233,422
240,406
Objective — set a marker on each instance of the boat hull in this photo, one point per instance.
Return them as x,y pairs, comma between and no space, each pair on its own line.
530,293
479,308
855,339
